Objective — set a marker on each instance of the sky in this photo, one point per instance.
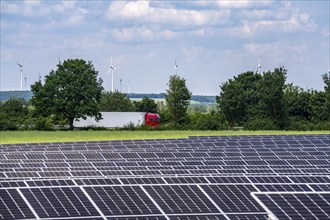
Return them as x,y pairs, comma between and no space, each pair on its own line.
210,41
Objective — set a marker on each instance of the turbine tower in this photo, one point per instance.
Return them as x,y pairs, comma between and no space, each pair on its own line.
259,67
25,83
112,69
175,67
21,74
121,85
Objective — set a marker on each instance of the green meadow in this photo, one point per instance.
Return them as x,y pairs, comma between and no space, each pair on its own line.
11,137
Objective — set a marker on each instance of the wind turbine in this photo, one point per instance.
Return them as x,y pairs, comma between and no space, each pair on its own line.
21,74
121,85
25,83
259,67
59,57
175,67
112,69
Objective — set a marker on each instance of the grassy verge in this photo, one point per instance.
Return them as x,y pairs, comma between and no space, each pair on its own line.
10,137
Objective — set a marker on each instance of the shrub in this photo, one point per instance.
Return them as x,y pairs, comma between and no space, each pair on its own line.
6,124
205,121
43,124
260,124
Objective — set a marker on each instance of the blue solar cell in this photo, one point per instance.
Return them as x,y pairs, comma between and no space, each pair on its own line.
59,202
122,200
177,199
297,205
233,198
13,206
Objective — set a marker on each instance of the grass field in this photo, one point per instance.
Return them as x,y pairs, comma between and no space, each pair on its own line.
10,137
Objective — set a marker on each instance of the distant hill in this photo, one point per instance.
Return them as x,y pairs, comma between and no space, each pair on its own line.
6,95
197,98
27,95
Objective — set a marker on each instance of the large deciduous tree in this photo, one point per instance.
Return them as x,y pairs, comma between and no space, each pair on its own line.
177,99
71,91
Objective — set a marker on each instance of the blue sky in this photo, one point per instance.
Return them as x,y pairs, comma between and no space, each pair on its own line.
211,41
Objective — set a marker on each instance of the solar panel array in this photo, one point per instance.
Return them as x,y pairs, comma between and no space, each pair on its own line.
225,177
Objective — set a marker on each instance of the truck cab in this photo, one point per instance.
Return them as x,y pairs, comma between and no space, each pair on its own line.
152,119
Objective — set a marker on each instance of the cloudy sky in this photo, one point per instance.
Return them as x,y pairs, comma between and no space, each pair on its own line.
211,41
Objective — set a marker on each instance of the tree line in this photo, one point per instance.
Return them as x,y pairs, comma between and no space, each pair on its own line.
249,100
265,101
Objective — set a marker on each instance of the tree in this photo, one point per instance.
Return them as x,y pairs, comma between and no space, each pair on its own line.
231,101
326,79
238,98
249,82
177,99
318,109
146,105
297,101
71,91
13,113
116,102
271,96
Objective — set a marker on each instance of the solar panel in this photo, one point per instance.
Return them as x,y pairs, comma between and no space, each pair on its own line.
122,200
59,202
13,206
233,198
181,199
296,205
225,177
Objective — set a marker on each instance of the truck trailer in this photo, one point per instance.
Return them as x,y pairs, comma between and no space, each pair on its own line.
119,120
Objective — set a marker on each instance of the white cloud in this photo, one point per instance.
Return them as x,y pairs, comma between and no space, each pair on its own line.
9,8
216,18
142,11
282,51
192,53
64,6
234,4
296,22
72,12
325,32
258,14
32,2
141,33
77,16
241,3
90,42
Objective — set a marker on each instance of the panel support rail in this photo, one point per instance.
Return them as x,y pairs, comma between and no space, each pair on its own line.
93,203
212,201
28,204
155,203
